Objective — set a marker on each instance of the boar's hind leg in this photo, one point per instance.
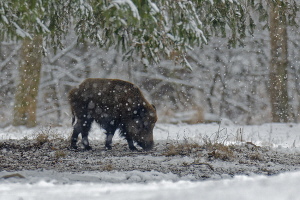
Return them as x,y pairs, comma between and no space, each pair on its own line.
110,131
81,127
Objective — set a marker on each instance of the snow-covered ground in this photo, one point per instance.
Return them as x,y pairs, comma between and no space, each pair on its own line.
156,185
281,187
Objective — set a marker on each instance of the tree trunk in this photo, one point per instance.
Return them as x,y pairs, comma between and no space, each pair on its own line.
27,89
278,63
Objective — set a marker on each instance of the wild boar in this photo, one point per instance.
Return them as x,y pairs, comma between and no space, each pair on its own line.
113,104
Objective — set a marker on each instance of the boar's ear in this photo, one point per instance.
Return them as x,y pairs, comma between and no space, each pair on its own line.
153,106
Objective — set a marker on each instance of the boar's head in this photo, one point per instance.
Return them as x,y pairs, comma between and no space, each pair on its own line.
140,128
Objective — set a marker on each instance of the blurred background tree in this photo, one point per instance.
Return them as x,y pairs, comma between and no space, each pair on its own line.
28,86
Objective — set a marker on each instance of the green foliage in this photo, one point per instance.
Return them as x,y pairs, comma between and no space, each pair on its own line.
150,29
25,18
219,15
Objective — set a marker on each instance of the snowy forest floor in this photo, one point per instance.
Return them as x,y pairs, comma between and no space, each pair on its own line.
187,160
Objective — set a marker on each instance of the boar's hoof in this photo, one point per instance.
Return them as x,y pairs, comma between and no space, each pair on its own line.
108,148
87,148
133,148
73,146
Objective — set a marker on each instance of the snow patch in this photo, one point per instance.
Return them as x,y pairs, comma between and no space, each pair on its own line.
284,186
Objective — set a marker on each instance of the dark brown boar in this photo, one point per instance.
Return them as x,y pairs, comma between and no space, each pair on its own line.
113,104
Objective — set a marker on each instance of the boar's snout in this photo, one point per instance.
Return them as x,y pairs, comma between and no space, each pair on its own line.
147,146
147,141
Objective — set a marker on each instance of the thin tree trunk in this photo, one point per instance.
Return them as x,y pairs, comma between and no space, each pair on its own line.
278,64
27,89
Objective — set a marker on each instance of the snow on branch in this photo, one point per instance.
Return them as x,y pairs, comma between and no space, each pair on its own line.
9,58
154,8
63,52
20,32
133,8
44,28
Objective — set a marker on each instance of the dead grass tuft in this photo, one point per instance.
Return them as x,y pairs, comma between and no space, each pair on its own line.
256,156
42,139
107,167
220,151
181,148
49,136
60,154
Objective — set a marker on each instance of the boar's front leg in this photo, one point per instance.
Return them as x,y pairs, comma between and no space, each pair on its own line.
130,143
81,127
128,137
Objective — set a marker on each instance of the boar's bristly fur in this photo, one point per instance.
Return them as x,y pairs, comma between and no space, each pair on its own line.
113,104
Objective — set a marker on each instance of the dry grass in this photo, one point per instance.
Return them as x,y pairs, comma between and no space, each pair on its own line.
215,150
107,167
184,148
256,156
218,150
60,154
225,154
48,136
42,139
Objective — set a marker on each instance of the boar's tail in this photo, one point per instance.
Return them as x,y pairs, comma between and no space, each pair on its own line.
73,117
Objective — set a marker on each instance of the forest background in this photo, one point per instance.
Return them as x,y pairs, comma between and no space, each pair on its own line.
229,60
